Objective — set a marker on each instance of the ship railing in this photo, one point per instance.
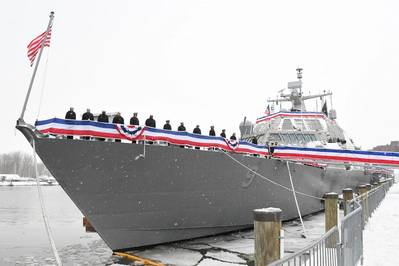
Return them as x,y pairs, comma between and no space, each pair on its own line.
342,245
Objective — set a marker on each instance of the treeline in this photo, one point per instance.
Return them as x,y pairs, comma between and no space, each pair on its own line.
22,164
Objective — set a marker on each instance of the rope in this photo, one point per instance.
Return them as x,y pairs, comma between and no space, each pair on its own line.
139,259
296,201
271,181
43,85
46,222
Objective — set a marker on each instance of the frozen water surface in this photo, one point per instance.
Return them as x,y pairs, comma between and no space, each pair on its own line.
23,240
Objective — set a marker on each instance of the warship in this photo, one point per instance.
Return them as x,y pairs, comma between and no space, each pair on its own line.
140,194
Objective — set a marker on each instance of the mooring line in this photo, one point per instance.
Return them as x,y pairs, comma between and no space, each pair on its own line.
269,180
46,222
140,259
296,201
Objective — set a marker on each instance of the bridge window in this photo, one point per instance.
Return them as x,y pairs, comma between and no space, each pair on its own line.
287,125
313,124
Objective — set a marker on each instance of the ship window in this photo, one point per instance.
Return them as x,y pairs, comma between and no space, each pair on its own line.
299,123
274,123
287,125
314,124
313,137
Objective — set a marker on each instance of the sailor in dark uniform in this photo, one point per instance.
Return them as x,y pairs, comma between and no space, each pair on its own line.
134,120
103,117
118,119
254,140
70,115
223,134
87,116
212,131
150,122
167,125
181,127
197,130
233,137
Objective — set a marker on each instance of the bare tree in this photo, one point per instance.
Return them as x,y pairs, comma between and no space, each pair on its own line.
21,163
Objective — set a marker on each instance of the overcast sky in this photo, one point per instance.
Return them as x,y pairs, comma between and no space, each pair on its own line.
202,62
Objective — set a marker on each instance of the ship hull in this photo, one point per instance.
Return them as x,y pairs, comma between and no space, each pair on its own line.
135,196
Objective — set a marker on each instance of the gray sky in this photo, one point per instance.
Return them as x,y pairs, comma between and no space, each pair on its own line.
202,62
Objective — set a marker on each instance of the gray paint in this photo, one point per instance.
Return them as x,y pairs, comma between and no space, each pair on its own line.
174,193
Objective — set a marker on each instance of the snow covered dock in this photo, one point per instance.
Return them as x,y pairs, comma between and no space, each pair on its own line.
381,234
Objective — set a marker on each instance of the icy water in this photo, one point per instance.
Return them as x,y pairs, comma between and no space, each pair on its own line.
23,239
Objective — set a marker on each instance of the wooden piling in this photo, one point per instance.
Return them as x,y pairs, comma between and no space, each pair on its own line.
267,227
348,196
87,225
331,216
363,193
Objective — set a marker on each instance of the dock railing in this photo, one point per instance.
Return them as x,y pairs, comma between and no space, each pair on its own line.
342,245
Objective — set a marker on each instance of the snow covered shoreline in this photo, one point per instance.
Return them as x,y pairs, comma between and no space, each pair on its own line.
16,180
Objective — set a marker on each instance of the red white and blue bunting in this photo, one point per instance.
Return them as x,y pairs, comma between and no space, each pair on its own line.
336,155
57,126
290,115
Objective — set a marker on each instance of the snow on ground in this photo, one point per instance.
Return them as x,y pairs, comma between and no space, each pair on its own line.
381,234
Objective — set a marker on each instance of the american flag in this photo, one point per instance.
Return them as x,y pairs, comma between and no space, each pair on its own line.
35,45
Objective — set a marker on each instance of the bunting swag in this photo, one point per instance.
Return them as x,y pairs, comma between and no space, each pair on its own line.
57,126
290,114
346,156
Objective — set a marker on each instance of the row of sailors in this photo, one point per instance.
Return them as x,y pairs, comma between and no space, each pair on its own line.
150,122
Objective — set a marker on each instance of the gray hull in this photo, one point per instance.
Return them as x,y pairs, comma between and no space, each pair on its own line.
174,193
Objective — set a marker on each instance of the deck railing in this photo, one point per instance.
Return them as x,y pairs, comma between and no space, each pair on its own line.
342,245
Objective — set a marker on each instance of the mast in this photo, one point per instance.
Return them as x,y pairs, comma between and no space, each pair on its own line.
21,118
296,94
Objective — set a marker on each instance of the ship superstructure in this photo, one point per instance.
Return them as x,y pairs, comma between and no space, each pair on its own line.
296,126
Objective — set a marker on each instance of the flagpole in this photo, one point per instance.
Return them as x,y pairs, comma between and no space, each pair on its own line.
21,118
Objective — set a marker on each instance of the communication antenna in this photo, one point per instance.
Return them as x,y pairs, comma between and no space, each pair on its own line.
299,73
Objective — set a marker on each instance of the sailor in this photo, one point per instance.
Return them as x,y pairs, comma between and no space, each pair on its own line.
150,122
103,117
87,116
70,115
167,125
134,120
255,141
233,137
212,131
197,130
181,127
118,119
223,134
